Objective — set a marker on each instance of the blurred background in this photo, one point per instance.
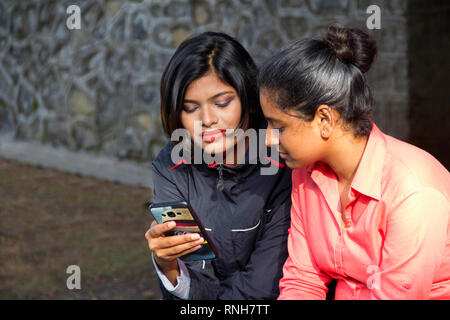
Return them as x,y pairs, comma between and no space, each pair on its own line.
80,124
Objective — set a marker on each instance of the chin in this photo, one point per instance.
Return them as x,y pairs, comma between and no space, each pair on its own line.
294,164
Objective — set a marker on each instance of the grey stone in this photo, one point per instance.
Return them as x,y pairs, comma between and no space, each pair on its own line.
201,11
245,31
130,145
269,41
81,103
27,103
3,18
296,27
6,120
140,27
84,136
158,61
176,9
162,35
328,7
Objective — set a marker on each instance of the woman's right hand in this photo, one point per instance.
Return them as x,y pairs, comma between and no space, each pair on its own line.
166,249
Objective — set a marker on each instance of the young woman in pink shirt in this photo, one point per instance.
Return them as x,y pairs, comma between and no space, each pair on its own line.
367,210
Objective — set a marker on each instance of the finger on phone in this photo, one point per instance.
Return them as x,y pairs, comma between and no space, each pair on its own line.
159,229
182,250
186,239
193,249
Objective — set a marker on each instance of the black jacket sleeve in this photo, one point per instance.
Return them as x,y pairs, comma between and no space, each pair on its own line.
165,189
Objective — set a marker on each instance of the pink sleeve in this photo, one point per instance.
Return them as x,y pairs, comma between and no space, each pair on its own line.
413,248
302,279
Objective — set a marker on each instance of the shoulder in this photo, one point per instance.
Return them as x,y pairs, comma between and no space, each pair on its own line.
275,173
299,176
164,165
408,169
163,159
282,186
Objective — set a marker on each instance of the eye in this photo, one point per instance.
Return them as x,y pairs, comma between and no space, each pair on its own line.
189,109
223,105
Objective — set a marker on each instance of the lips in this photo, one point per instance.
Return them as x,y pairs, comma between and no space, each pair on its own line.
212,135
283,155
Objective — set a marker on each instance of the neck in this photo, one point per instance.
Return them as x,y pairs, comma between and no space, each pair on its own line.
345,154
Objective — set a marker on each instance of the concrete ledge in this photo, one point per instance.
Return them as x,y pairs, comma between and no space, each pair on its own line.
102,167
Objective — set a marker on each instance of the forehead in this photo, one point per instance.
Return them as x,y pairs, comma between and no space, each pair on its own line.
206,86
270,106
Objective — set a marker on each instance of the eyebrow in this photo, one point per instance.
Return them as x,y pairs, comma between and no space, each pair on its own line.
211,98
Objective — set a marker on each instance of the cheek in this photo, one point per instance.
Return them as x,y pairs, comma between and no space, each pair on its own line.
297,144
187,121
231,116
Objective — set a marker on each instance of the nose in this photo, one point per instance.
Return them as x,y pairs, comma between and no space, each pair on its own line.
208,116
272,137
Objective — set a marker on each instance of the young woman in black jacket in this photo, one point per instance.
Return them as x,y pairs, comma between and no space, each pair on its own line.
211,82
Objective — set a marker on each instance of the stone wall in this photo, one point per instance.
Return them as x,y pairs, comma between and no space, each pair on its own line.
97,89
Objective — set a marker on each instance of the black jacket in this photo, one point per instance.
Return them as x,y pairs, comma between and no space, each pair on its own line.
248,221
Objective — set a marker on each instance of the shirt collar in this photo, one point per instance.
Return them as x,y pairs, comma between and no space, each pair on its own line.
368,176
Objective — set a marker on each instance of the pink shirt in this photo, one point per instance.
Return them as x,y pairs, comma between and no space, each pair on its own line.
393,240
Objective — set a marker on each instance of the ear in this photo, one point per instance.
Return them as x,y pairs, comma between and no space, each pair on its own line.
325,119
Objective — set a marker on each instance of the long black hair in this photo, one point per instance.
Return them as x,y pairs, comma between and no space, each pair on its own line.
194,58
309,73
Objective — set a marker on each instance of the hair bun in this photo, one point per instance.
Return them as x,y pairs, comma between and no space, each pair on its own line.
352,46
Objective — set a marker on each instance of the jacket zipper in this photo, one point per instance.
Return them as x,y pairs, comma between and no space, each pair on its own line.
220,184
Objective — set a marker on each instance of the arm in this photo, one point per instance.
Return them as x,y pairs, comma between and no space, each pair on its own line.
198,282
302,278
166,251
173,278
416,236
183,281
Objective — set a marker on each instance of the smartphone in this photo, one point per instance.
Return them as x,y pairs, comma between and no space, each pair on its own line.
186,222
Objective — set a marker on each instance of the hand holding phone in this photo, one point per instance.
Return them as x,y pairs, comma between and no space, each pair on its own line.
182,229
166,249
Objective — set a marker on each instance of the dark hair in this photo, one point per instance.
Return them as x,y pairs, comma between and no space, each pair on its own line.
309,73
195,57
